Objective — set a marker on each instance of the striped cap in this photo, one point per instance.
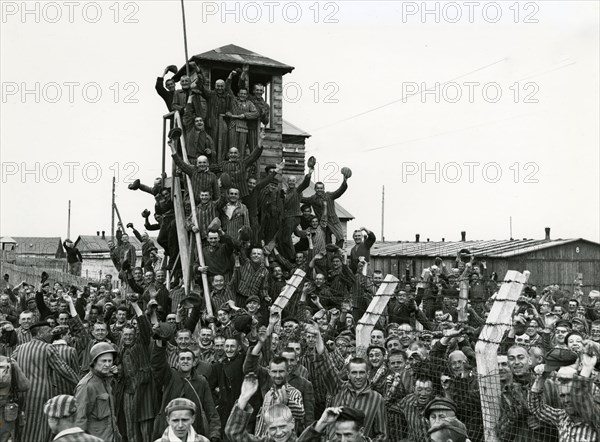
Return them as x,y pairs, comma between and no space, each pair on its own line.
60,406
180,403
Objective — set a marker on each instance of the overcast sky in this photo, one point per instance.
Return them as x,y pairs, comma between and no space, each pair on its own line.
512,131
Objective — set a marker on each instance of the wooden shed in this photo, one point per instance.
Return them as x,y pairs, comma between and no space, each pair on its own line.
557,261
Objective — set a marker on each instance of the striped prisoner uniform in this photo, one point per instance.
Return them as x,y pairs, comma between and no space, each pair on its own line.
202,180
237,170
68,354
254,280
136,395
344,395
37,359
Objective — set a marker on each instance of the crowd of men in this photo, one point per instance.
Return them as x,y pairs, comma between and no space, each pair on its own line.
147,362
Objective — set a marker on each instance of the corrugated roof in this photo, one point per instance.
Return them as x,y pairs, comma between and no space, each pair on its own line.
342,213
95,244
489,248
288,128
36,245
238,55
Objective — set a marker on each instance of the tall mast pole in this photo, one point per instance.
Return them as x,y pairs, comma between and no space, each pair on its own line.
382,211
112,211
69,221
187,66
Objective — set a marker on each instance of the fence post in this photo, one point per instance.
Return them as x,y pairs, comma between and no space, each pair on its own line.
486,350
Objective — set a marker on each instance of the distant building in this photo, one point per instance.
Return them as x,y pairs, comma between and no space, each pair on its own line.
550,261
39,247
96,254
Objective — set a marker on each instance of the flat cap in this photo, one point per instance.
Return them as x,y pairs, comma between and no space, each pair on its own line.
252,298
563,323
352,414
60,406
180,403
439,403
449,423
559,357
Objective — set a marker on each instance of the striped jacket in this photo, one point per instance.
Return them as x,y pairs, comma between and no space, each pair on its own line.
254,280
237,170
291,203
68,354
37,360
239,218
344,395
202,180
136,376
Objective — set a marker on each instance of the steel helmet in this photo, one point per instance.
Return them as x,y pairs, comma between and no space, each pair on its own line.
99,349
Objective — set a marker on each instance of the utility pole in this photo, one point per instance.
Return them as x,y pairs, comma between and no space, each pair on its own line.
510,226
112,211
69,221
382,211
187,66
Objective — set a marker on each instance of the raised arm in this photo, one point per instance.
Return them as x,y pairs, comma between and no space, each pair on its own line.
340,191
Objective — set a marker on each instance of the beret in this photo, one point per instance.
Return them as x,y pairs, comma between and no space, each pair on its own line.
60,406
352,414
439,403
180,403
243,323
449,423
559,357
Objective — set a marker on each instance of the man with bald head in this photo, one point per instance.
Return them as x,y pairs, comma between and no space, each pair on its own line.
237,169
202,178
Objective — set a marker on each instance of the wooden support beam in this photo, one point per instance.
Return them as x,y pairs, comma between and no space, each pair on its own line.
486,350
287,292
182,236
181,221
374,311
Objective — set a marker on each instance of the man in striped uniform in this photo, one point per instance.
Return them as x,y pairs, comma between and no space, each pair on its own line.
38,359
202,178
237,169
136,393
23,332
61,412
254,279
61,338
355,393
234,214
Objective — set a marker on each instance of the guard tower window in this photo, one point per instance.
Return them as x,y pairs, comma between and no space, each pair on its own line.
255,77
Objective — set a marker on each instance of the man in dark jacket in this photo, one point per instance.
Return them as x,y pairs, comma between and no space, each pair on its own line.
187,383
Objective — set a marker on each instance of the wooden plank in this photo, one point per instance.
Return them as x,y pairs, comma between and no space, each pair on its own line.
486,350
371,316
181,221
287,292
182,236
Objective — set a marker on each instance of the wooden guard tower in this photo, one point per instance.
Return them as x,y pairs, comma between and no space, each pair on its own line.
283,140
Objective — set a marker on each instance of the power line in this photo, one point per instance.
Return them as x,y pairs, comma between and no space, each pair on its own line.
403,98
